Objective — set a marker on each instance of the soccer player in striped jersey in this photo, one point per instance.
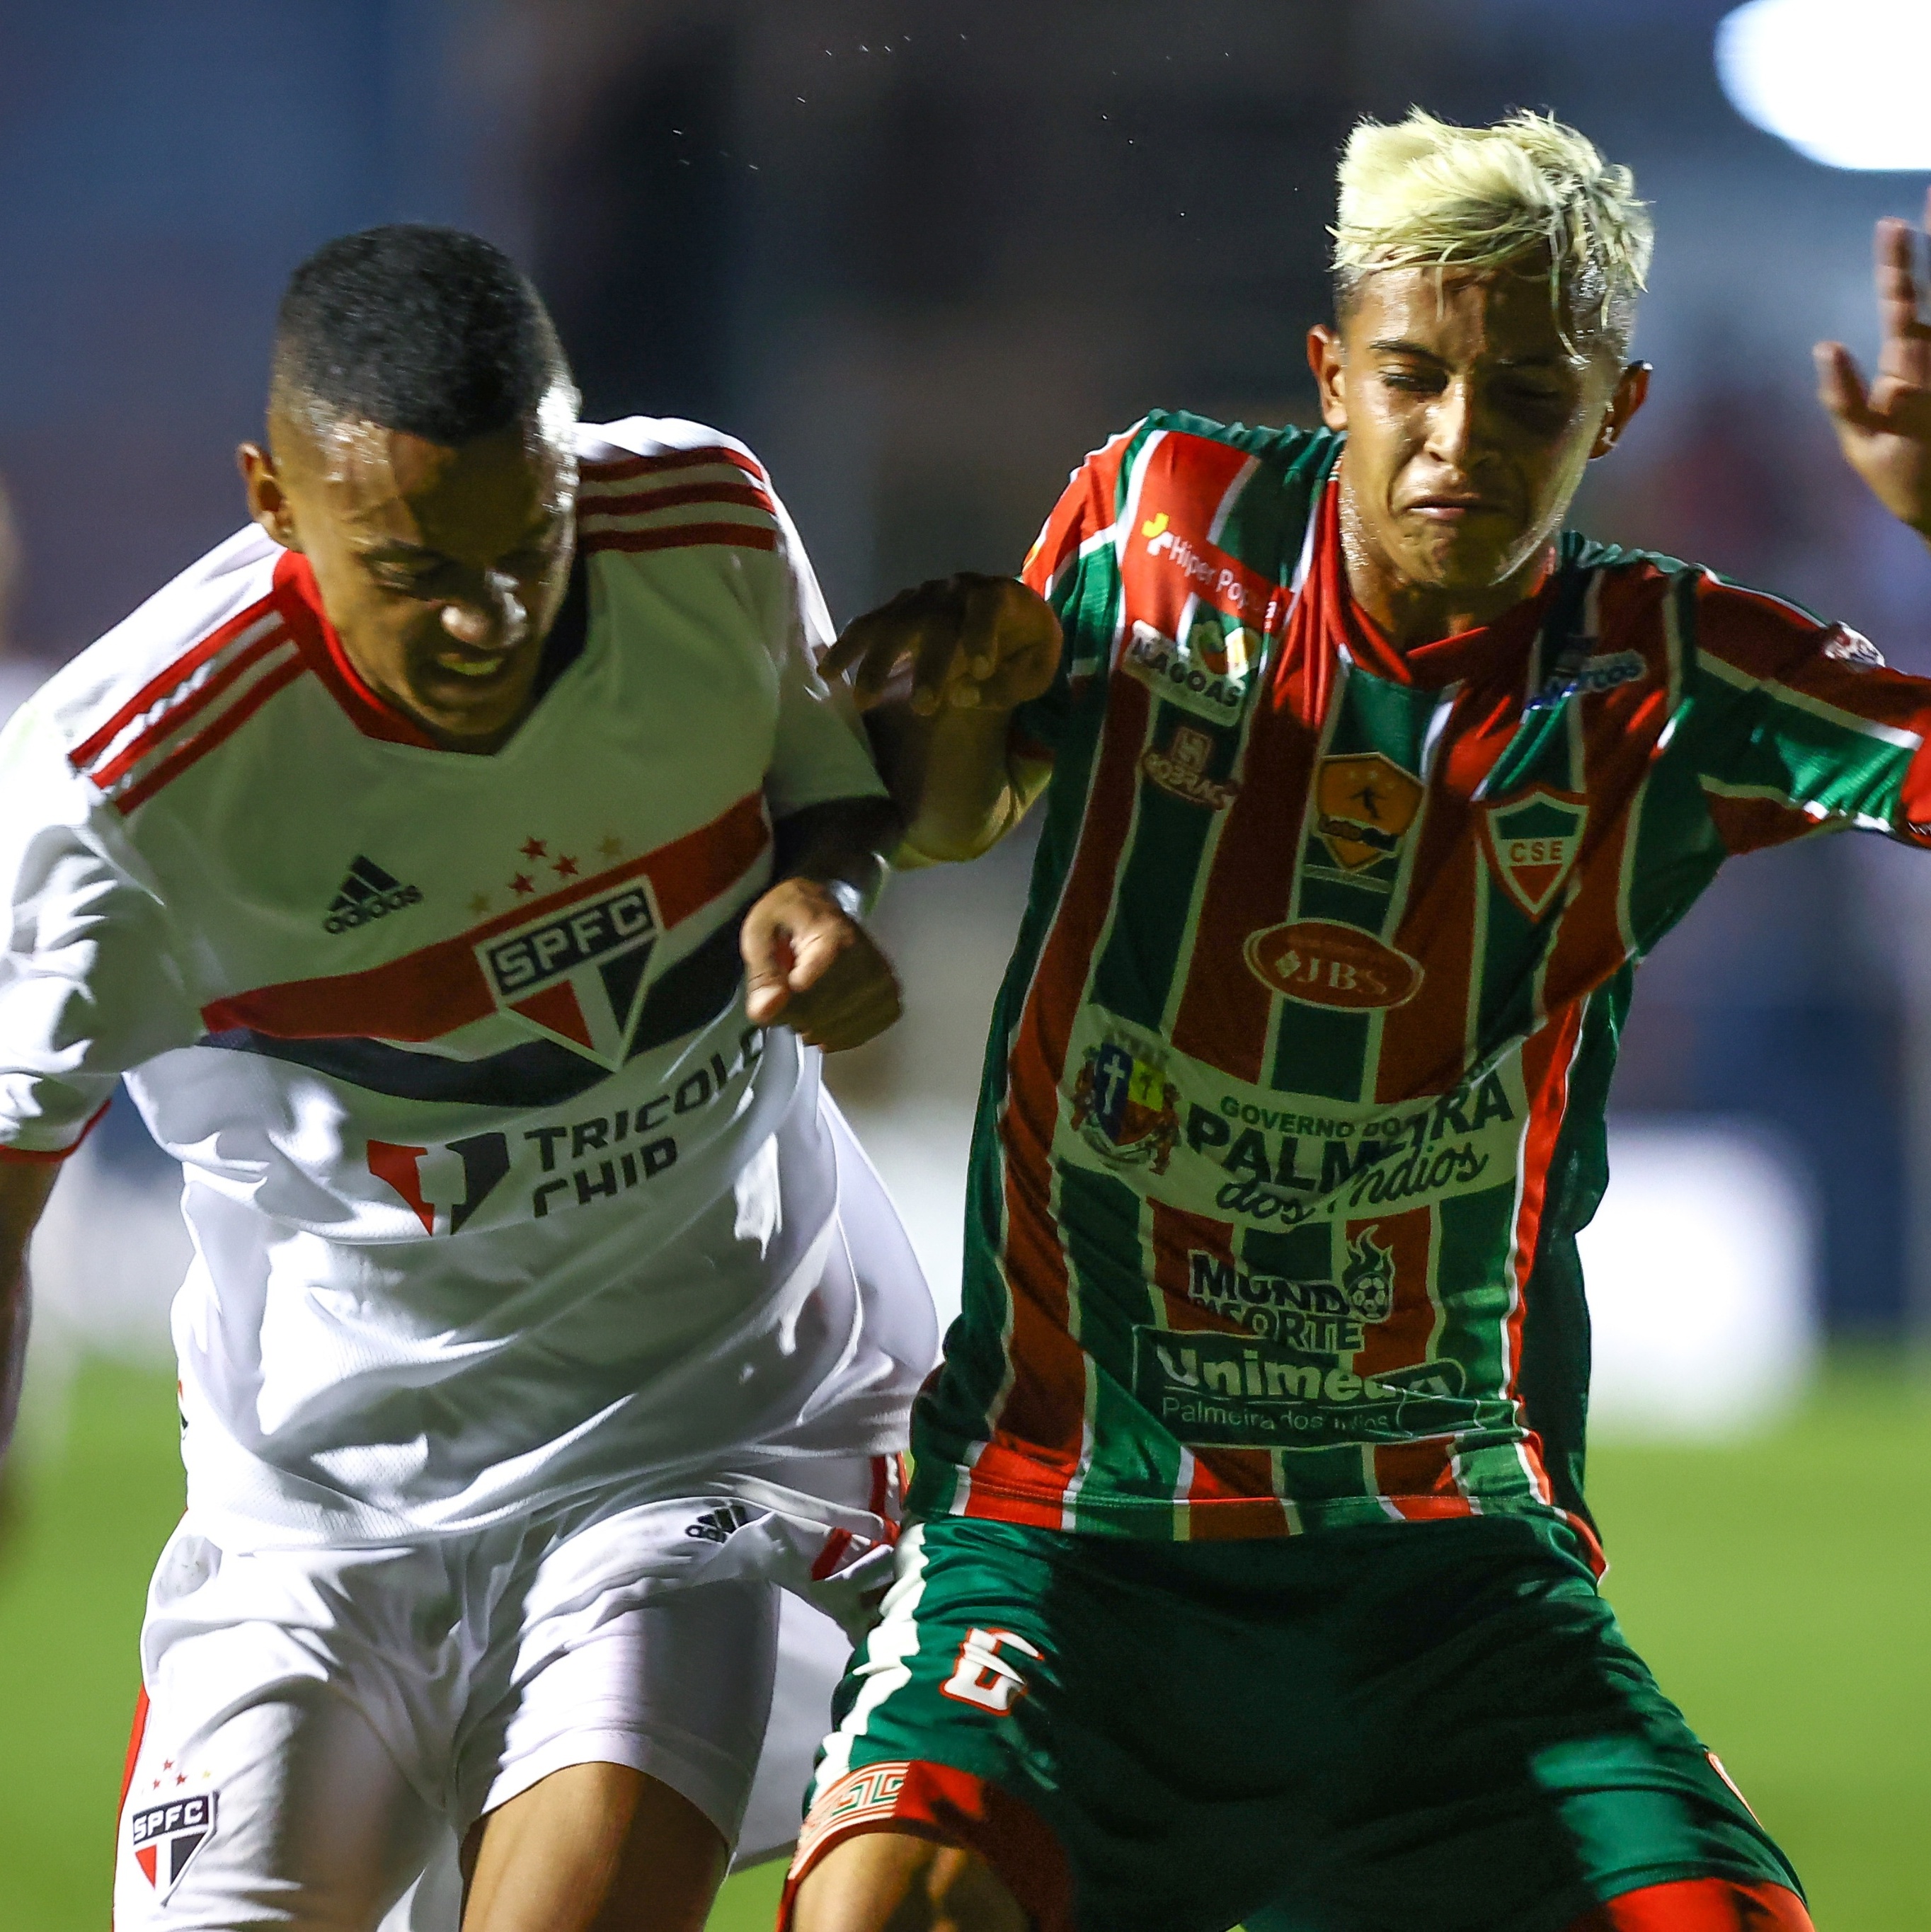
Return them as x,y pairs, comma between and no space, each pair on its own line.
1251,1576
464,866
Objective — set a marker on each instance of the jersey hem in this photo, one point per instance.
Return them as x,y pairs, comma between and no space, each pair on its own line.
936,1492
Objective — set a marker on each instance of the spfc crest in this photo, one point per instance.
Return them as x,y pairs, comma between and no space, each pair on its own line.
1533,840
1126,1108
165,1838
1366,804
577,975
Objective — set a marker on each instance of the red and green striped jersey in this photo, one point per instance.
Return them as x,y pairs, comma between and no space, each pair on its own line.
1293,1103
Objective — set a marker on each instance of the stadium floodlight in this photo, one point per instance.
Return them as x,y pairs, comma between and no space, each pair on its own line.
1842,81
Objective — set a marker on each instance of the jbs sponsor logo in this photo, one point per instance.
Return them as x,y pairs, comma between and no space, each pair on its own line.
1534,840
1228,1391
578,976
1207,674
1181,1131
1325,964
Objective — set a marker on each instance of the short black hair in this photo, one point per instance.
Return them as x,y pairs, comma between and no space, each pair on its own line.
430,331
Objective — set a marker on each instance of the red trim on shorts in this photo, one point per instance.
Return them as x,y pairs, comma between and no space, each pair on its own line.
135,1737
1700,1905
33,1157
925,1800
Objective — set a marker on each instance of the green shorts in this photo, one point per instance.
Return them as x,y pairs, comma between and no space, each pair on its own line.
1418,1728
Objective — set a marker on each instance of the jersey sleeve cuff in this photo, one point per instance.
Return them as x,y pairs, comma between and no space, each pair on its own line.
53,1156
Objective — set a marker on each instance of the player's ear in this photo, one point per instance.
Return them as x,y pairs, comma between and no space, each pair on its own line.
267,502
1324,358
1632,386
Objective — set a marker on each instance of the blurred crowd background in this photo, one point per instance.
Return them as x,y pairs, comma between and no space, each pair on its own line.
922,255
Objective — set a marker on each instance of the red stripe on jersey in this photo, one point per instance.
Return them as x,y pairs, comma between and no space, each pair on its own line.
1223,1016
1085,508
1547,1056
621,469
1168,558
1237,1482
147,742
158,686
1046,1403
1226,1481
301,602
198,747
679,536
673,496
425,995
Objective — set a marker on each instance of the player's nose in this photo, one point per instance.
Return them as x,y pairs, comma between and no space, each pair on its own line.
495,619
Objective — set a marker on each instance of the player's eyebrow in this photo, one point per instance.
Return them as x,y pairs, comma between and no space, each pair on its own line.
1393,346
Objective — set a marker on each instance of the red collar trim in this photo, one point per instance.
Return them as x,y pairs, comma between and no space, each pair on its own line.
1468,657
300,602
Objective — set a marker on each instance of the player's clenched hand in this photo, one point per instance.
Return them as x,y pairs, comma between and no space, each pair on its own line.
960,642
1884,431
808,964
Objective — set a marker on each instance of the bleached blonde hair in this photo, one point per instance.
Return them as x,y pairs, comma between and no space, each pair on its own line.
1426,193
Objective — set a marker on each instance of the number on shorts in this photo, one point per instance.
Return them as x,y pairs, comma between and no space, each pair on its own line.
982,1676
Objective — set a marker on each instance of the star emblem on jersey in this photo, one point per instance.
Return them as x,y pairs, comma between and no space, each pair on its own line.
1366,803
366,893
166,1838
577,976
1533,842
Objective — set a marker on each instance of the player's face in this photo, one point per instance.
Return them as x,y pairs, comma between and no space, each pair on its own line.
1470,422
442,570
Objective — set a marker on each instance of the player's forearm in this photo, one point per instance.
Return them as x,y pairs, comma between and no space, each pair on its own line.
24,1188
952,778
15,1308
843,844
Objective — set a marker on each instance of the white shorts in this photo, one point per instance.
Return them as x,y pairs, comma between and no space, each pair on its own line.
321,1726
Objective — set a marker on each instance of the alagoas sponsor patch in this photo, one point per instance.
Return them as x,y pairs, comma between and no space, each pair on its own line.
1206,673
1184,1133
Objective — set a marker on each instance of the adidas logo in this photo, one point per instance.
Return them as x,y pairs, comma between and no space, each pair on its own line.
367,893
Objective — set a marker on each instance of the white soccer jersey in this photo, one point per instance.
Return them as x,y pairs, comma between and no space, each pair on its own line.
496,1197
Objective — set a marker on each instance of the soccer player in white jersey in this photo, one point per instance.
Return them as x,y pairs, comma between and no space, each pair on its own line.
463,865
